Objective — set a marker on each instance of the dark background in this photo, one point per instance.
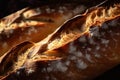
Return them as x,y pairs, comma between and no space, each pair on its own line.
9,6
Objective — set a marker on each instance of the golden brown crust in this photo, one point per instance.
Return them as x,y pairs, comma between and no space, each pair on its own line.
32,24
93,47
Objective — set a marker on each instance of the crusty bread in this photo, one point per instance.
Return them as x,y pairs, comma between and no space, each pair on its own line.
33,24
81,49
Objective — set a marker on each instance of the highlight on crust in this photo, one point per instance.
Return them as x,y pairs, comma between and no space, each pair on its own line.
76,29
34,24
54,49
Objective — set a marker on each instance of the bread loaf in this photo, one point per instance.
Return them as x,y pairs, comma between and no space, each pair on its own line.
81,49
33,24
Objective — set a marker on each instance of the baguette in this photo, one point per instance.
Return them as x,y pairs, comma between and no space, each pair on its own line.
81,49
33,24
